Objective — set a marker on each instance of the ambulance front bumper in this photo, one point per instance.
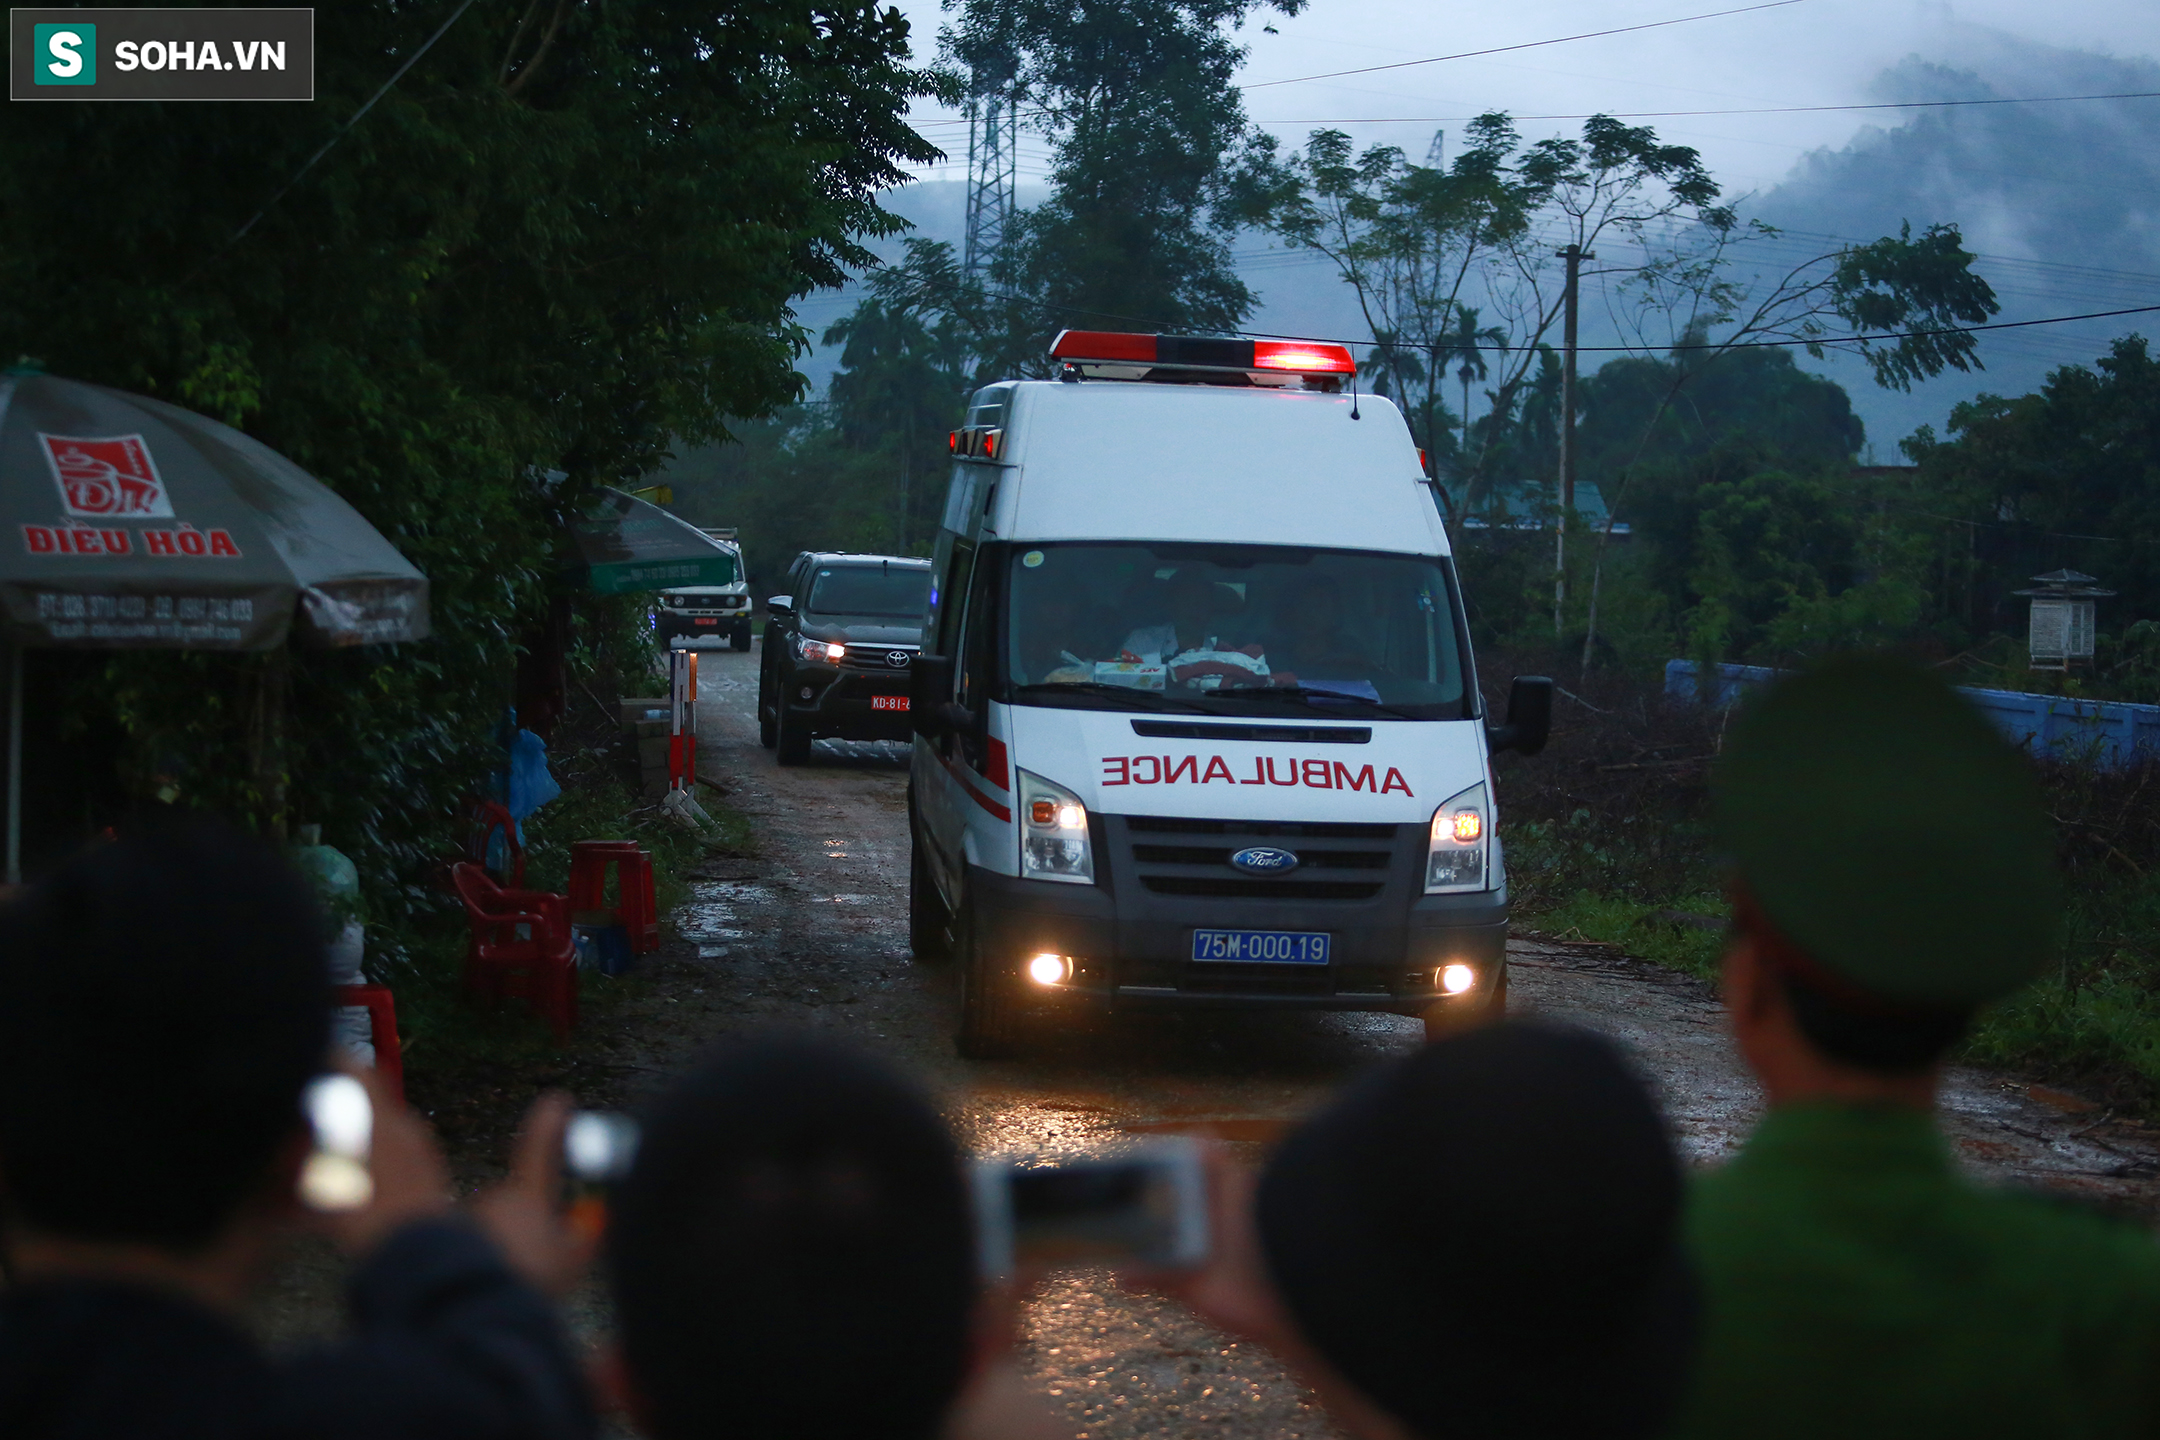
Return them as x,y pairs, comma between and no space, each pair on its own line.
1138,954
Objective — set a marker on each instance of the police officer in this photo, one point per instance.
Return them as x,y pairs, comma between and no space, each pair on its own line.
1893,871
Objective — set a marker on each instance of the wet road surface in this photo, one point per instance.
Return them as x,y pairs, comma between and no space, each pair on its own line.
812,932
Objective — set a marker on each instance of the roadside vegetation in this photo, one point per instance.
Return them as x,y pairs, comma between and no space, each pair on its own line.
1608,841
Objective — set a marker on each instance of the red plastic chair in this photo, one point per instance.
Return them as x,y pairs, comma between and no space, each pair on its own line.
488,817
382,1023
634,908
521,947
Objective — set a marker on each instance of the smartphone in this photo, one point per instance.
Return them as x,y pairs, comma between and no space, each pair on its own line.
598,1147
1143,1205
335,1176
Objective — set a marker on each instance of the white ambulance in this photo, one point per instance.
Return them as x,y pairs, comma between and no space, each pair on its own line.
1196,720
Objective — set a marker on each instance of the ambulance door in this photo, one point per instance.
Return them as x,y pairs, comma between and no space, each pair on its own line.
938,796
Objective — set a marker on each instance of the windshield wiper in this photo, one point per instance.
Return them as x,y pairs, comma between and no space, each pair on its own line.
1122,694
1311,693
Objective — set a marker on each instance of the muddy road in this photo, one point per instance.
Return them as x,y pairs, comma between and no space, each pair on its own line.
813,933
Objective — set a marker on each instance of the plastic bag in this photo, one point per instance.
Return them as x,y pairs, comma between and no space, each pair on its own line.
531,786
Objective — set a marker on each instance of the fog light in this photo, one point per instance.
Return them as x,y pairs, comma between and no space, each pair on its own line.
1049,969
807,692
1457,978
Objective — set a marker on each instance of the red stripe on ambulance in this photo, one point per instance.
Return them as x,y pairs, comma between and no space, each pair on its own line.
1266,770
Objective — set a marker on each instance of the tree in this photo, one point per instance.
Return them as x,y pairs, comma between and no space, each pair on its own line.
1463,347
1136,100
1413,241
1905,305
547,247
2066,476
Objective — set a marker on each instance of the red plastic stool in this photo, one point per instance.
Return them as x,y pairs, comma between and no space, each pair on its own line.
634,909
382,1023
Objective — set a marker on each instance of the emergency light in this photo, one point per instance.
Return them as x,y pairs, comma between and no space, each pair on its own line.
1113,355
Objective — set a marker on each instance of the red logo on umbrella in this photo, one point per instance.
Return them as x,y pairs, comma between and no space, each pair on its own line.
111,476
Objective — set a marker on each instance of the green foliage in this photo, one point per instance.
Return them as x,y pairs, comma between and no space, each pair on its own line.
793,483
1758,398
1136,100
550,247
2062,477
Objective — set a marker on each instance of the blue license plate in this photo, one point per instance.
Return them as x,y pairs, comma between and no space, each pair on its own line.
1262,947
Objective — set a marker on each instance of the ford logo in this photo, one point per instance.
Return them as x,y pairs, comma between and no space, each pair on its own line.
1264,860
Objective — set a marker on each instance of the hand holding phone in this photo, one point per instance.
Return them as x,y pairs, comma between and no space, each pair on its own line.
1142,1205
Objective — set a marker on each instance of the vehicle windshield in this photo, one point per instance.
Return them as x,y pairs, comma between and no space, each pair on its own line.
876,592
1235,630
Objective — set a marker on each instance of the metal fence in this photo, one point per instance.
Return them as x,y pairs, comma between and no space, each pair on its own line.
2100,733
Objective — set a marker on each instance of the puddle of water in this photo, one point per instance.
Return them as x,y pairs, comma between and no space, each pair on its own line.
740,892
841,899
711,952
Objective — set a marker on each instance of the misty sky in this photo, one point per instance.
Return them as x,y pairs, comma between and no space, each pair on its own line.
2032,217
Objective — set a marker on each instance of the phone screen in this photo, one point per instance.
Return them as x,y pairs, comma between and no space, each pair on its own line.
342,1117
1145,1205
597,1150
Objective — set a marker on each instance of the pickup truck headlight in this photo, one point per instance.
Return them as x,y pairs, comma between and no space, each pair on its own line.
1461,837
819,652
1053,833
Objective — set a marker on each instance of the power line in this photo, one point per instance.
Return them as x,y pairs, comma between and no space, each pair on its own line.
1675,114
1525,45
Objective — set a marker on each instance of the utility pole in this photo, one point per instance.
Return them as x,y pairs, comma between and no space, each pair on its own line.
1574,255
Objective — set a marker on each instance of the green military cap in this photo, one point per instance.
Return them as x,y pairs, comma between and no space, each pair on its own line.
1890,833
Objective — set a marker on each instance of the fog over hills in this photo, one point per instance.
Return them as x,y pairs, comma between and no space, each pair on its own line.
2062,202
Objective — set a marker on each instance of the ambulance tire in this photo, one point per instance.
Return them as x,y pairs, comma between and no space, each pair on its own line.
1441,1023
926,912
791,743
768,723
989,1006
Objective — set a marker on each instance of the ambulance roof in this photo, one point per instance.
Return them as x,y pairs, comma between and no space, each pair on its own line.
1125,460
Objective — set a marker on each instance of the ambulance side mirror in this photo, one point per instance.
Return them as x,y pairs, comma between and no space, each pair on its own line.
1529,717
929,692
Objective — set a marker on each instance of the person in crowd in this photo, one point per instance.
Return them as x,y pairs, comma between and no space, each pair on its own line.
163,1004
792,1255
1892,870
1478,1240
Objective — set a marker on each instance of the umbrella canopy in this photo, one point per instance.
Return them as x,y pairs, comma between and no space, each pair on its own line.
624,544
130,524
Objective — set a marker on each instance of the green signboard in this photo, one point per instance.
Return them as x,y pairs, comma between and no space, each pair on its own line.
625,545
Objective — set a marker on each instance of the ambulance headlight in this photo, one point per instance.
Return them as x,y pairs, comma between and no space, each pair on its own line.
1461,835
1053,833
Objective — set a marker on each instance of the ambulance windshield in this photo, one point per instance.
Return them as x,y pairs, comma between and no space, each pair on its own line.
1233,629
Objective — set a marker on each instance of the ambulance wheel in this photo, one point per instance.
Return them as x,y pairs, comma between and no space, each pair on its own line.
740,640
768,724
791,742
1441,1022
989,1010
926,912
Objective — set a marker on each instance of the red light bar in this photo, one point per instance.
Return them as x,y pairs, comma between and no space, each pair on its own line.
1202,352
1303,356
1103,345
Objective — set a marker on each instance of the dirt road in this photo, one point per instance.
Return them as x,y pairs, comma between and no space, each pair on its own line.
814,933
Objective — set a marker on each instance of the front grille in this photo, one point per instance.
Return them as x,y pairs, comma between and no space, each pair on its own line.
872,657
1307,859
1270,829
1232,889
